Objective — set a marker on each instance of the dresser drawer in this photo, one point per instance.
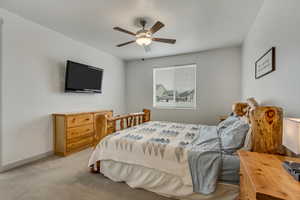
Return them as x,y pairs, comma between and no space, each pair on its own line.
80,131
73,145
78,120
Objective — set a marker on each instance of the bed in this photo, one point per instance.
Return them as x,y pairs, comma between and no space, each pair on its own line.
183,161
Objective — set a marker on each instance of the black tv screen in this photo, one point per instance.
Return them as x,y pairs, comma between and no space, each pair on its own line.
82,78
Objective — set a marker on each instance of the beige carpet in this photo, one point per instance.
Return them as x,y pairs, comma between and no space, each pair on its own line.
66,178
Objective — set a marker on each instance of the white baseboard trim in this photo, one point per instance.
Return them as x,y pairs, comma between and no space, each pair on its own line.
19,163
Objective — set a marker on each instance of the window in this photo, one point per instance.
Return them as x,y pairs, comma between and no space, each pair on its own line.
175,87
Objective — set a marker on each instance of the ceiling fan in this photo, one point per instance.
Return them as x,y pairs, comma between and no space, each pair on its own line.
145,37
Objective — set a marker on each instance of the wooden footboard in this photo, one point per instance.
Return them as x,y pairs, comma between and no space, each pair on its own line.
106,124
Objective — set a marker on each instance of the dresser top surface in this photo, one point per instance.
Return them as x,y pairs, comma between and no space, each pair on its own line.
267,175
79,113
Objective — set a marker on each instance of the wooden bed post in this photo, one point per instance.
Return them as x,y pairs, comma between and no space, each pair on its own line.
266,124
147,115
240,108
101,126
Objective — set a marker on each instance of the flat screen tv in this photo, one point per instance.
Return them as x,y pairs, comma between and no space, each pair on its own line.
82,78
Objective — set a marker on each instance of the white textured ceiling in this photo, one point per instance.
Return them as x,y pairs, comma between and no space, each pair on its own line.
196,24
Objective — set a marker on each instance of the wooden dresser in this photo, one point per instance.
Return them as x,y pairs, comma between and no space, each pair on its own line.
264,178
74,131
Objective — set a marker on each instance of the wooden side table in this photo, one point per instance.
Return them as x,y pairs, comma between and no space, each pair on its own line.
264,178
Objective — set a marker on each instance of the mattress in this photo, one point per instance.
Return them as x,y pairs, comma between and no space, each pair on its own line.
162,183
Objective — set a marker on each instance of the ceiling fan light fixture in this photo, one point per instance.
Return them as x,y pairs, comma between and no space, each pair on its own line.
143,41
143,37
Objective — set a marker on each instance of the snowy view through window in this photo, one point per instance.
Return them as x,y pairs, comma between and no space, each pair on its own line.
175,87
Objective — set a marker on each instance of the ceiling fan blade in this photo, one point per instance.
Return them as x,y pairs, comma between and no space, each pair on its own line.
170,41
158,25
125,43
123,30
147,48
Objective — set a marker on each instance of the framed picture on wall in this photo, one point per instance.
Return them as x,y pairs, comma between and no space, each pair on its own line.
265,64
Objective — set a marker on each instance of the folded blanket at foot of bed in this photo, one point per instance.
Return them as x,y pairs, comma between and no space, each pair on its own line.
204,157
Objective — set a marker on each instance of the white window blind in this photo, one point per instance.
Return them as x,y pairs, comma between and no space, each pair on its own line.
175,87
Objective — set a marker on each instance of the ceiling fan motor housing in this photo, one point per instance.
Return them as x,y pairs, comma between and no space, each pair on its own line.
143,23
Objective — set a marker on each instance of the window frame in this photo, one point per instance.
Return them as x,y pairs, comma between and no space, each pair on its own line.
175,107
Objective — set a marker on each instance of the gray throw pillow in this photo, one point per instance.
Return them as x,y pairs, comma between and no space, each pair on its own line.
233,136
227,122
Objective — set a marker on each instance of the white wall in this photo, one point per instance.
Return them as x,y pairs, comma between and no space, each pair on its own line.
33,68
218,85
277,24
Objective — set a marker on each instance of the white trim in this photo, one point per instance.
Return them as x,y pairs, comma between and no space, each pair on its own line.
25,161
154,104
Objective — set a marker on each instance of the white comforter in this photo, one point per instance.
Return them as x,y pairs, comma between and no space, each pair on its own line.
157,145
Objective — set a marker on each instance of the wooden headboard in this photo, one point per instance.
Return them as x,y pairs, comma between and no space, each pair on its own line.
266,126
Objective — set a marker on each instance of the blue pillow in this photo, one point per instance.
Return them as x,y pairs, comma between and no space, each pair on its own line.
227,122
233,136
